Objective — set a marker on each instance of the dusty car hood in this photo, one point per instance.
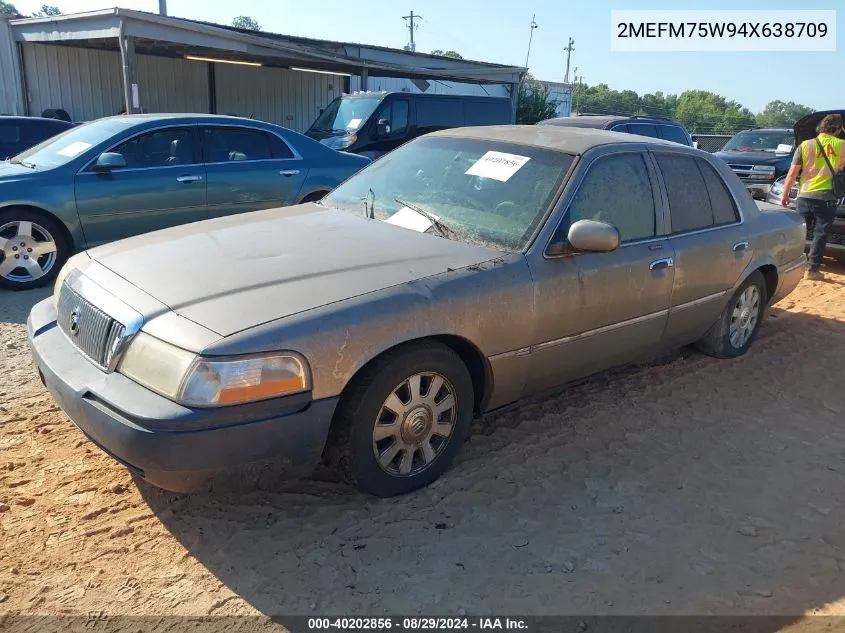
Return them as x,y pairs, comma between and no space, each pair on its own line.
232,273
805,127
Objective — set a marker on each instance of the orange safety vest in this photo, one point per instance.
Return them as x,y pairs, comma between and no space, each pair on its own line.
815,175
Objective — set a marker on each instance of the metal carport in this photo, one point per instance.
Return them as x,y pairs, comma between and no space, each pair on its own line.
105,61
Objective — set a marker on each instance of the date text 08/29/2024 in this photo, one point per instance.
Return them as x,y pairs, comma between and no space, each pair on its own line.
418,623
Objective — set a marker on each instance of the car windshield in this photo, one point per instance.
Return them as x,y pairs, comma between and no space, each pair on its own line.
346,114
62,149
759,141
482,192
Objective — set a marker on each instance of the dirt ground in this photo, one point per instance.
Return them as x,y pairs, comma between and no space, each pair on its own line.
682,486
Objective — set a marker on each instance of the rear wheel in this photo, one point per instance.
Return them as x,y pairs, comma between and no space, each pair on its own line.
403,421
32,249
733,333
313,197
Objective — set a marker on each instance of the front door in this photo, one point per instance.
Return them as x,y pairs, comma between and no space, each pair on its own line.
596,310
162,185
395,112
249,169
711,251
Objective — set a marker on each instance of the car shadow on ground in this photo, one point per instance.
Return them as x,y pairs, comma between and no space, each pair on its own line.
685,485
16,304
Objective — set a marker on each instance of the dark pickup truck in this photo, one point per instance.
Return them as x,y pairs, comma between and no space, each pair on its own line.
759,157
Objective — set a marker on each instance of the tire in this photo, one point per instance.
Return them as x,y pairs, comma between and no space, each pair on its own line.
719,341
352,443
43,229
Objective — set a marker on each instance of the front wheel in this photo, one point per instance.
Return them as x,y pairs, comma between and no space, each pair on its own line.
733,333
32,249
403,421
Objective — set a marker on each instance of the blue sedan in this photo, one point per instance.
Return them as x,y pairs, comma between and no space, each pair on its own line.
124,175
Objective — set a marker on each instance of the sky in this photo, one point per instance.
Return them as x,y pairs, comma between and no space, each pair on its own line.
498,31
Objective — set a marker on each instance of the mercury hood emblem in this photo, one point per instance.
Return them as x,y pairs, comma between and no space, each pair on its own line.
74,321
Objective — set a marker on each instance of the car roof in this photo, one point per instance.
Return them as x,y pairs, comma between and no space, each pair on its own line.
38,119
603,121
570,140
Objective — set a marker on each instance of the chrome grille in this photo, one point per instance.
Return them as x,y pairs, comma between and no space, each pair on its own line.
91,330
743,171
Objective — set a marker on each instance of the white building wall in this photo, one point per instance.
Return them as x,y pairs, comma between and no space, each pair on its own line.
286,97
11,91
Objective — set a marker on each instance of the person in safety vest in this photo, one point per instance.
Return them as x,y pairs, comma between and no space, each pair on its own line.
815,196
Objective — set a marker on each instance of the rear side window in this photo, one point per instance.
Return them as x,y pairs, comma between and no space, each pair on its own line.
643,129
721,200
440,113
675,134
689,200
622,127
221,144
623,177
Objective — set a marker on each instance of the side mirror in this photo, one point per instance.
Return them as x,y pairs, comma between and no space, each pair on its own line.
109,160
382,127
593,237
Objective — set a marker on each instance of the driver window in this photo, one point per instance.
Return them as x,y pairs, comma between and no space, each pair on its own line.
396,114
617,190
159,148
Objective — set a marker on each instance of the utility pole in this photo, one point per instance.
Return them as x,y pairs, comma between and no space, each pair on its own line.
579,81
162,7
569,48
533,26
411,27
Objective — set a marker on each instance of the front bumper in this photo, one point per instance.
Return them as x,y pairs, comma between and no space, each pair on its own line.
171,446
774,198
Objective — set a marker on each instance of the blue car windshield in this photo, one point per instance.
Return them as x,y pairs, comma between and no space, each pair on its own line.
60,150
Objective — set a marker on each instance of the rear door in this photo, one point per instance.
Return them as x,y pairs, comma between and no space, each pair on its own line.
249,169
162,185
707,236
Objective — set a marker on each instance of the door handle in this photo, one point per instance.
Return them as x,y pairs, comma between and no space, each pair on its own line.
658,264
289,172
188,178
740,246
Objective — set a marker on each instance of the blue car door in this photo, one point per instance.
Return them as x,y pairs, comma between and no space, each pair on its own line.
249,169
162,185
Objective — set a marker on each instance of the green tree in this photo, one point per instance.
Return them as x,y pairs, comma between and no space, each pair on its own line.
705,112
452,54
47,11
7,8
534,102
782,114
246,22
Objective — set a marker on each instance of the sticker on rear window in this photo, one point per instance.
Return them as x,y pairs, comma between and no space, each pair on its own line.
74,149
497,165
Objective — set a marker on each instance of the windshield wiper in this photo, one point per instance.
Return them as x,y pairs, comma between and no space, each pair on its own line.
368,209
24,163
444,229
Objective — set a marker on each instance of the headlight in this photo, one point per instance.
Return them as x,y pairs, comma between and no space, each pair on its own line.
60,279
198,381
777,185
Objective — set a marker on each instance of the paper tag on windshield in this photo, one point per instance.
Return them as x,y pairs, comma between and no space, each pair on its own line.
353,124
409,219
497,165
783,148
74,149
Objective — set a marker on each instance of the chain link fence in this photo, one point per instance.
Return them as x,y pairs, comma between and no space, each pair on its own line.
711,142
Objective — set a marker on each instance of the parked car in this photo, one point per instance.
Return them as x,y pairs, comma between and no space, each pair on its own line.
18,133
374,123
653,127
484,265
805,129
759,157
125,175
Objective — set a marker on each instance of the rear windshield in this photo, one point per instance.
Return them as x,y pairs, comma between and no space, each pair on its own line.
488,193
